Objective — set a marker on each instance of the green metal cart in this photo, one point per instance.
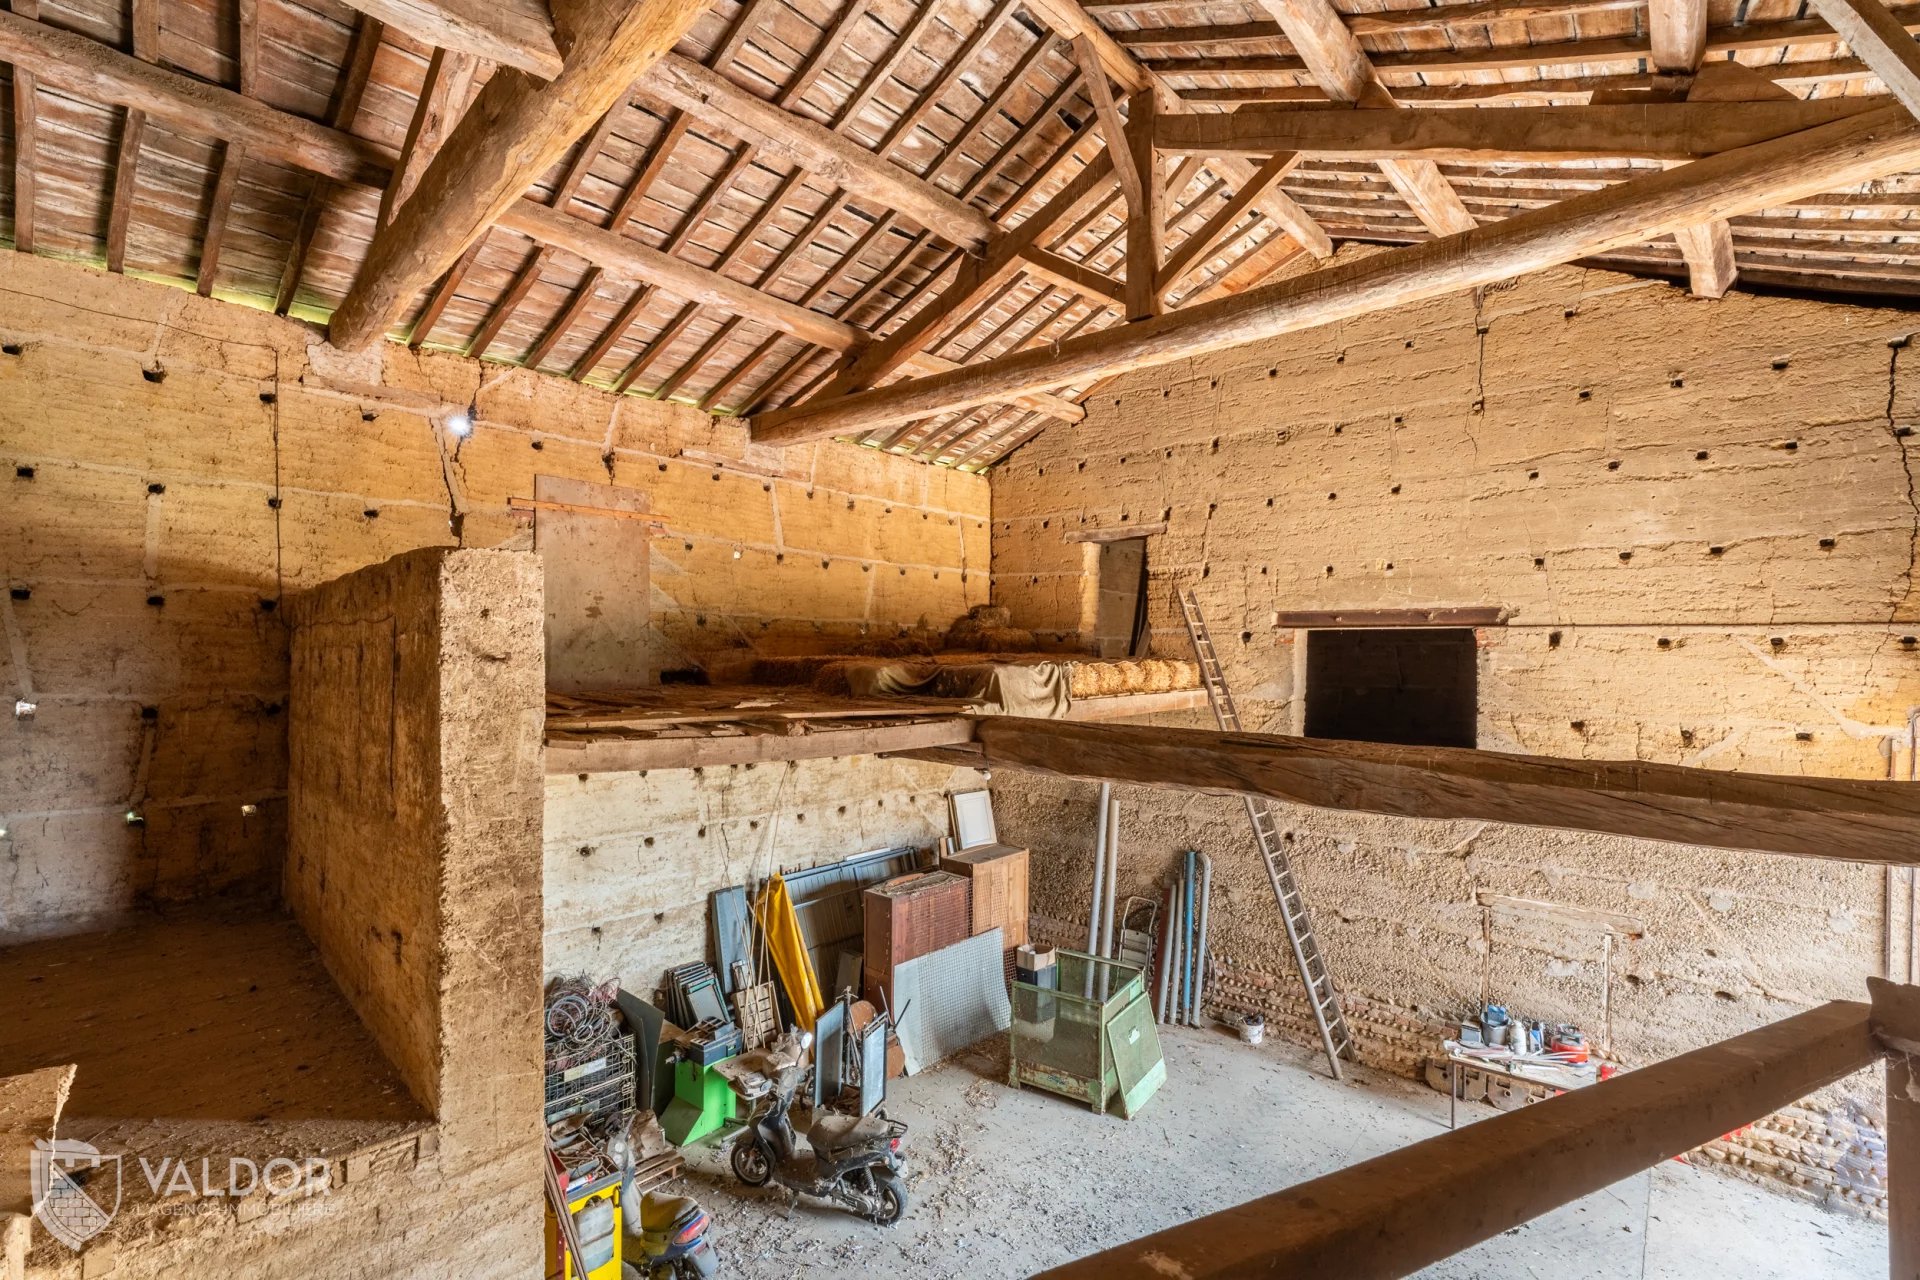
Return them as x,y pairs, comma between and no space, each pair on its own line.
1092,1037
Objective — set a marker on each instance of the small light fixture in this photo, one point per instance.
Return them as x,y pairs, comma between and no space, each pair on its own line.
23,710
736,553
3,833
134,818
249,810
460,426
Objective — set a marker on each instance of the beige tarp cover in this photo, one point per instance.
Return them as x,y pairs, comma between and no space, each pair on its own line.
1029,689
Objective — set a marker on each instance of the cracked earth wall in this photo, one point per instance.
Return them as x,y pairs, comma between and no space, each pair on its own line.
170,466
1700,518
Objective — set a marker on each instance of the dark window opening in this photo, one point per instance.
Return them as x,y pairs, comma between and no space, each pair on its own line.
1413,686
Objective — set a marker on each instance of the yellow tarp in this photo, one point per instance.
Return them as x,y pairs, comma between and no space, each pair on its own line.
782,928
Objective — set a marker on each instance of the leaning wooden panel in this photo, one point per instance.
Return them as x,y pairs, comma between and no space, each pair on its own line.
1837,818
1397,1213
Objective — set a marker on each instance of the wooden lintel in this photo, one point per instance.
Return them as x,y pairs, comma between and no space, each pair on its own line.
1843,819
1437,616
1116,533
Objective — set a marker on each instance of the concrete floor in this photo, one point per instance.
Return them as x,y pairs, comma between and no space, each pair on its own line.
1007,1182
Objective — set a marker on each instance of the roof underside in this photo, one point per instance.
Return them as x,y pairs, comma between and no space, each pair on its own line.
976,97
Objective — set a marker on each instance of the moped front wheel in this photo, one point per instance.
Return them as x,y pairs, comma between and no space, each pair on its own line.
892,1195
750,1163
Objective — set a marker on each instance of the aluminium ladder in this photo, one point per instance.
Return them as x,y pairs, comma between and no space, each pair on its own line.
1323,998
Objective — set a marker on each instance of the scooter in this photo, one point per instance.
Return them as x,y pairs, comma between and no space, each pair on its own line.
673,1238
854,1160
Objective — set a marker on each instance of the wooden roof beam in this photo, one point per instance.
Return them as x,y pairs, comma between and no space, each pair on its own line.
1882,41
513,33
367,34
26,142
1844,153
1340,66
444,95
1651,131
517,128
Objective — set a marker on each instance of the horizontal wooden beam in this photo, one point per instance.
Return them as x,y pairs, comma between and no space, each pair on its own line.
1833,156
513,33
98,72
1349,619
1535,135
1842,819
833,160
624,755
1406,1210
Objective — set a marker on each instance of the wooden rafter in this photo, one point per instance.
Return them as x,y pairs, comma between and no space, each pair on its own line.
517,128
1196,246
1856,149
133,132
1882,41
444,95
367,35
232,156
26,142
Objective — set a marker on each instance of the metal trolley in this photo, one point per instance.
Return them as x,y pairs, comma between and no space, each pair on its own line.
1092,1037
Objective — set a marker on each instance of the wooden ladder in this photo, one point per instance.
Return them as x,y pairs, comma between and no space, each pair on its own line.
1323,998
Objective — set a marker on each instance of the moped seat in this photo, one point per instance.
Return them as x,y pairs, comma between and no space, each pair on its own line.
834,1134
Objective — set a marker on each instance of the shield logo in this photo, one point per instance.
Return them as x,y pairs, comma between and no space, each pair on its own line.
70,1193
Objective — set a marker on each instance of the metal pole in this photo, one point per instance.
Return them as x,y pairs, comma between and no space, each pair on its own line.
1165,975
1099,869
1107,938
1200,968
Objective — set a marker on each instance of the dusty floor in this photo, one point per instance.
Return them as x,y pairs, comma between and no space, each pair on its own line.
1005,1183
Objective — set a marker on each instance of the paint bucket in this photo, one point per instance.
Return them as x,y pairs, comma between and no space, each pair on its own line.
1253,1028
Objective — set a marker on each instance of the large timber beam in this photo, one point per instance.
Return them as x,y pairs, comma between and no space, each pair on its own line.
1538,135
1330,51
516,129
1733,183
1881,41
98,72
1408,1209
513,33
714,100
1837,818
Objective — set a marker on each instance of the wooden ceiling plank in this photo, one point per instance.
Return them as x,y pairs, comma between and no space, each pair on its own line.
443,293
623,213
512,33
444,95
529,275
803,143
1850,151
653,350
950,74
354,74
1882,40
26,143
232,155
690,222
978,277
516,129
603,345
709,402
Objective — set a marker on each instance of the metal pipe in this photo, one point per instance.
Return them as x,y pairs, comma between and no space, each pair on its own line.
1200,968
1173,930
1186,955
1165,958
1108,939
1099,872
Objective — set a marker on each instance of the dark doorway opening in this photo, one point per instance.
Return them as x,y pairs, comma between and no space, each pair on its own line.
1413,686
1120,626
